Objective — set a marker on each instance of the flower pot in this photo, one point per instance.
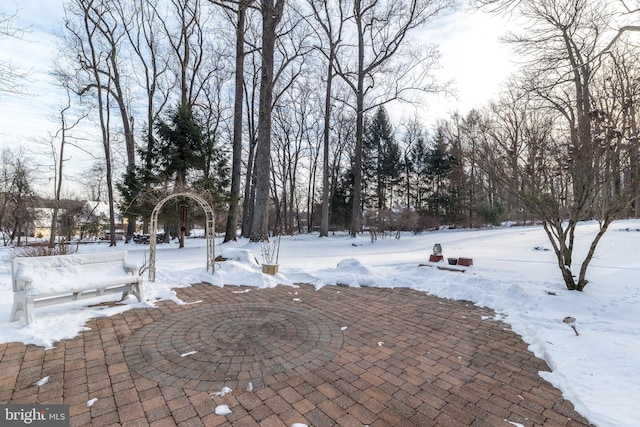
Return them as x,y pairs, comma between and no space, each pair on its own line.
467,262
270,268
452,261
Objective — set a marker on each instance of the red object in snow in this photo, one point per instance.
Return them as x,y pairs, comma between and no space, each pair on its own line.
466,262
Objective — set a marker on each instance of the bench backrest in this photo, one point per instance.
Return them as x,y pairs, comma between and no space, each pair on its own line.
48,267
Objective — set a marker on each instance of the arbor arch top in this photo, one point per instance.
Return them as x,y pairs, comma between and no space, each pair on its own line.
209,230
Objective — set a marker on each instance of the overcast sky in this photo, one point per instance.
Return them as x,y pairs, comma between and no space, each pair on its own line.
469,43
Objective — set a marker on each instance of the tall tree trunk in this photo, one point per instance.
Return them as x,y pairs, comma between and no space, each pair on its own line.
356,208
131,167
106,141
103,110
236,171
324,221
58,179
271,14
249,193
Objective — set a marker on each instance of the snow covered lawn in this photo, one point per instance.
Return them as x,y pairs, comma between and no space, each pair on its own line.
513,273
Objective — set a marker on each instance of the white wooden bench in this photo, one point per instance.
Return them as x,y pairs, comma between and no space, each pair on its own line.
48,280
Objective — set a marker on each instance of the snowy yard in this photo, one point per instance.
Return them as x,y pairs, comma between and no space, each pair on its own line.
513,273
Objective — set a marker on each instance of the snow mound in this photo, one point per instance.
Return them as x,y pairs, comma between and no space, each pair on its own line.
349,272
244,256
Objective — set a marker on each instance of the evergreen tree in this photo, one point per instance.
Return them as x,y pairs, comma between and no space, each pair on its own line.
215,174
382,163
340,206
180,145
439,168
419,165
434,167
139,189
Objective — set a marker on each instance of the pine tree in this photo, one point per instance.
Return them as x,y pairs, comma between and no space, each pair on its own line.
439,168
179,144
419,159
340,206
381,161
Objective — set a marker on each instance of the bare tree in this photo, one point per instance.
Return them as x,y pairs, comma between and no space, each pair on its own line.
271,14
12,80
110,28
381,30
141,25
150,59
238,9
188,46
93,50
95,182
330,33
616,93
251,96
17,210
59,158
294,122
563,39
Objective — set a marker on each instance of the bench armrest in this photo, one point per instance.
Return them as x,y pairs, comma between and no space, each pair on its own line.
22,283
130,268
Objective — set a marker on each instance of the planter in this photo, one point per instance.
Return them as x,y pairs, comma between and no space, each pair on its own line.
467,262
270,269
435,258
452,261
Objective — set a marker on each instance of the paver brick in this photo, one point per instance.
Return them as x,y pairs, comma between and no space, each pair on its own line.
303,406
331,409
130,411
316,417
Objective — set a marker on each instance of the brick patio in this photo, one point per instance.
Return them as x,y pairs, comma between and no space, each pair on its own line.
338,356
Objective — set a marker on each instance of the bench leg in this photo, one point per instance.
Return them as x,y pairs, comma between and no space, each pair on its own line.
22,307
17,310
136,290
28,311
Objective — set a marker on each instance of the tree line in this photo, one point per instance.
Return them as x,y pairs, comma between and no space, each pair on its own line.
222,97
278,111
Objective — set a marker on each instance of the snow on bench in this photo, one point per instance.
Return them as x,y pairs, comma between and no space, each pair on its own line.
48,280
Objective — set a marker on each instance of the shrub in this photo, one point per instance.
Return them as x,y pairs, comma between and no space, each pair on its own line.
43,249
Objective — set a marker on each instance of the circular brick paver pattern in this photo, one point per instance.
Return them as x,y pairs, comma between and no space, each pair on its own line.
207,348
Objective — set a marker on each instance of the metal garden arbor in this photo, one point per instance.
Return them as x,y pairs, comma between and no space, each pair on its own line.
209,231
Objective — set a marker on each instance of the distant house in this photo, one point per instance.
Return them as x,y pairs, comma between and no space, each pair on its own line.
76,218
94,220
42,223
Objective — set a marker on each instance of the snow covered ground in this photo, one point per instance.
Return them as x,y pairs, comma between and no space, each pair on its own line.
514,273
